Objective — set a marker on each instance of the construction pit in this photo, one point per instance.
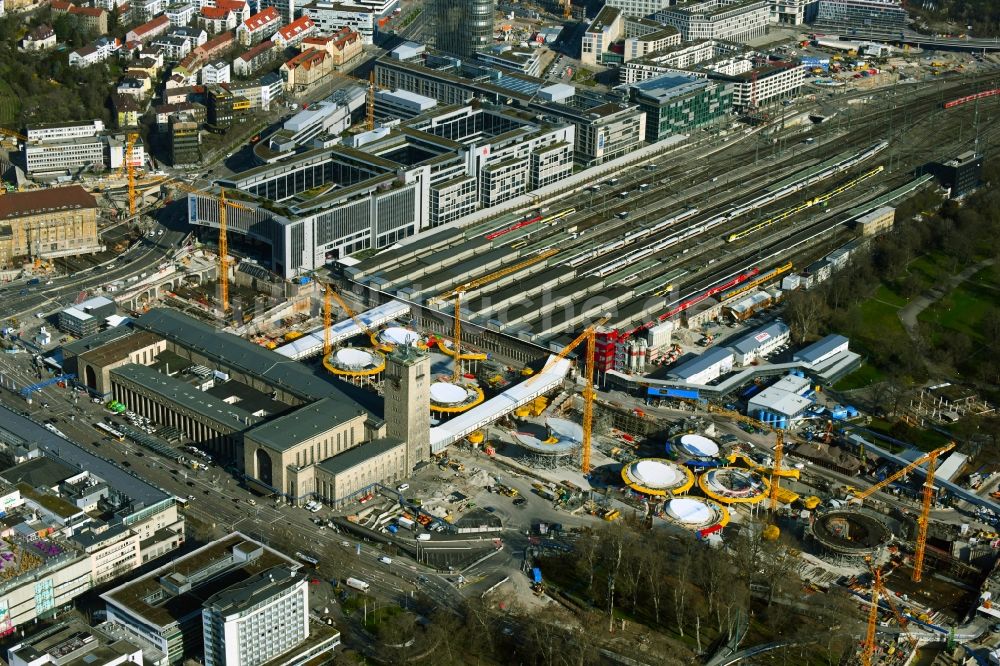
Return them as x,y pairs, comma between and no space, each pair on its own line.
850,533
733,485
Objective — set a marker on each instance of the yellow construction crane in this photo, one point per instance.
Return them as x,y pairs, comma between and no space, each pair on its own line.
567,8
224,204
879,591
357,320
475,284
370,103
327,322
779,447
589,335
925,509
128,167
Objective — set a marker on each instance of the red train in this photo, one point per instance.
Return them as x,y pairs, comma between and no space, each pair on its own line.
972,98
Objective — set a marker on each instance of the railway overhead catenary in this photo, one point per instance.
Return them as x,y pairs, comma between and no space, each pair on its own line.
920,543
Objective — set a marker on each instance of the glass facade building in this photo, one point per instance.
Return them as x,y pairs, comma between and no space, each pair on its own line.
463,27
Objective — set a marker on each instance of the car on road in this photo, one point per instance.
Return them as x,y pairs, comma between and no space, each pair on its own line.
190,497
190,483
385,559
489,509
252,502
520,501
402,488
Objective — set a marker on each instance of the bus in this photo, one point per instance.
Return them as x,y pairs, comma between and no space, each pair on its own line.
307,559
182,501
109,431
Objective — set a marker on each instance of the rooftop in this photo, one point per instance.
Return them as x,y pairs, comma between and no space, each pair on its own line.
353,457
168,595
820,348
73,643
701,362
754,339
188,396
255,590
604,18
306,422
41,472
50,200
663,89
241,354
96,340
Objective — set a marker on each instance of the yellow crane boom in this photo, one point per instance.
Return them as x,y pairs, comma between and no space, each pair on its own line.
933,455
779,447
475,284
327,322
356,319
224,205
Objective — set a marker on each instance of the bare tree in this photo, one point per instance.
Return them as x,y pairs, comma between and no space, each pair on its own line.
682,570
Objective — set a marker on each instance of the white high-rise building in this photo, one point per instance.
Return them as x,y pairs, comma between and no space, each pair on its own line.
257,620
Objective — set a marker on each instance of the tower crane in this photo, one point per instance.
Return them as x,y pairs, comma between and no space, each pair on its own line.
224,204
457,292
370,103
128,166
589,335
327,321
779,447
567,8
927,499
12,134
879,591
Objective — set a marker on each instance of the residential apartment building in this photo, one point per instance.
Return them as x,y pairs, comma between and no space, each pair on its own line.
38,39
293,33
180,14
249,63
793,12
149,30
215,73
260,93
733,20
216,20
330,17
94,53
342,46
259,27
606,29
146,10
92,18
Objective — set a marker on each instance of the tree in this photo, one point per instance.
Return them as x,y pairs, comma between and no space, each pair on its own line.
803,312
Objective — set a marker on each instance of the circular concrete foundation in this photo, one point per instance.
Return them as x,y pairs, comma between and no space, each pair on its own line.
733,485
850,532
656,476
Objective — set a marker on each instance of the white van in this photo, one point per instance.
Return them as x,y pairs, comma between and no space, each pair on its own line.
385,560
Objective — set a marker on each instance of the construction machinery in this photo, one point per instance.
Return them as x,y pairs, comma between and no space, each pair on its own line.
589,335
224,205
779,447
457,292
920,543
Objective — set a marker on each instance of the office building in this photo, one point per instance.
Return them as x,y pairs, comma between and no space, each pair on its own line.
232,601
260,93
214,73
513,58
793,12
961,174
651,41
759,343
62,131
680,103
606,29
733,20
86,318
606,127
703,369
638,7
73,643
185,141
262,620
783,403
330,17
444,166
401,104
463,27
862,14
54,222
